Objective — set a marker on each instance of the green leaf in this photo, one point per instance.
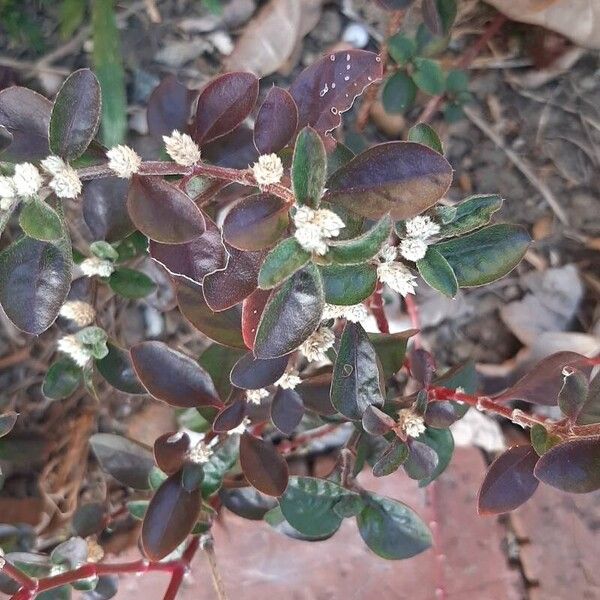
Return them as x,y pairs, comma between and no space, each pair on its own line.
573,393
222,461
309,167
485,255
281,263
426,135
75,115
130,283
542,440
391,459
104,250
40,221
308,505
399,93
457,81
291,315
356,382
392,529
470,214
61,380
437,273
442,442
428,76
348,284
116,367
590,413
109,69
72,13
362,248
401,48
391,349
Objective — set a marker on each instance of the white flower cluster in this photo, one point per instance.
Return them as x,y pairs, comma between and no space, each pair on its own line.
199,454
78,311
314,228
65,182
123,161
267,169
289,380
74,349
25,183
316,346
410,422
241,428
395,274
418,231
182,148
97,266
256,396
354,312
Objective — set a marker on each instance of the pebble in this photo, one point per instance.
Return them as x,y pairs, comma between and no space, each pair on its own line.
356,35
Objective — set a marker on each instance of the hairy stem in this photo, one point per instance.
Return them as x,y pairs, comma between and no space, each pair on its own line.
209,547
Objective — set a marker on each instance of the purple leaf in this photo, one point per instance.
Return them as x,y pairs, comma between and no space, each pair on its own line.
509,481
276,121
235,150
287,410
170,450
252,373
231,416
169,107
223,104
264,468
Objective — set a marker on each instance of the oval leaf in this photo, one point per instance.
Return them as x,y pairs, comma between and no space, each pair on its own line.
264,468
40,221
116,367
287,410
421,133
252,310
362,248
309,167
169,107
230,417
61,380
276,121
281,263
252,373
348,284
130,283
170,450
437,273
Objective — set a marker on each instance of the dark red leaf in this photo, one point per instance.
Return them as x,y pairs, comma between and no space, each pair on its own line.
171,516
196,259
163,212
329,87
256,222
400,178
26,116
169,107
573,466
315,391
276,121
105,209
264,468
223,104
235,150
225,288
252,373
230,416
222,327
252,310
542,384
422,366
170,450
287,410
421,462
173,377
509,481
376,422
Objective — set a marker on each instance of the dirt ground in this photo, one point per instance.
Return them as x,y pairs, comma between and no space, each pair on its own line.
531,134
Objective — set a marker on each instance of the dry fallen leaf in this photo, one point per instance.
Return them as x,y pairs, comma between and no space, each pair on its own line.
579,20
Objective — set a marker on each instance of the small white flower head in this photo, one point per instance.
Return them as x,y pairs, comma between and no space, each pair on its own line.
398,277
65,182
200,453
413,249
6,203
422,227
314,228
316,346
95,552
410,422
388,253
256,396
182,148
81,313
123,161
74,349
289,380
241,428
97,266
27,180
7,188
354,313
267,169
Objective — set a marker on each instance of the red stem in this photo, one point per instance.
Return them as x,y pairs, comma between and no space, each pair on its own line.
376,306
413,312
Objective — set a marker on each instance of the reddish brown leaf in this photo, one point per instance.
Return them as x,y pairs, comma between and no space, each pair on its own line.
276,121
376,422
235,150
287,410
223,104
400,178
509,481
316,393
169,107
256,222
542,384
226,288
173,377
329,87
163,212
170,450
264,468
171,516
231,416
573,466
252,309
252,373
